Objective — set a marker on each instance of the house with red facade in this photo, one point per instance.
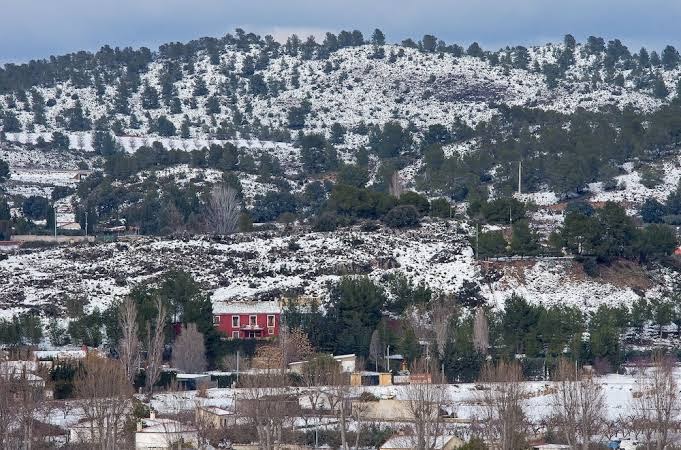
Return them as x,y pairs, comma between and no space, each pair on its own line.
247,319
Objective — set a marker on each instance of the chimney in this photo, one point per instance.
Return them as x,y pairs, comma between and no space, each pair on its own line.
139,426
152,414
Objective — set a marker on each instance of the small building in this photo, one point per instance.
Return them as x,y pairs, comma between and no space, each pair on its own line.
389,410
194,381
346,364
159,434
367,378
214,417
408,443
247,319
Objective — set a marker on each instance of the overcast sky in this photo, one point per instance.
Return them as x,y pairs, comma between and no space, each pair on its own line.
40,28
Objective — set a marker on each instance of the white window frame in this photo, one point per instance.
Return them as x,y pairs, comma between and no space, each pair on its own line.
270,331
238,321
216,319
274,320
235,335
253,320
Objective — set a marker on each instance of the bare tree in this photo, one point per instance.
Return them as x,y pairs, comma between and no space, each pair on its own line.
579,405
480,331
426,400
443,311
338,394
223,210
265,403
320,370
8,409
189,353
105,394
294,345
155,345
395,187
656,404
501,398
129,347
376,348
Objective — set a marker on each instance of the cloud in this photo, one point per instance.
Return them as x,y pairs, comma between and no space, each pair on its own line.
39,28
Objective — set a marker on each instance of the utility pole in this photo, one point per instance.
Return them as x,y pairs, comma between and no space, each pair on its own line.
477,241
86,225
55,221
387,358
520,177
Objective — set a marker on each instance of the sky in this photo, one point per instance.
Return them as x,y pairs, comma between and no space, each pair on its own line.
33,29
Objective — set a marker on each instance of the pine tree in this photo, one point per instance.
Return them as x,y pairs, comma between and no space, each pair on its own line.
184,128
378,38
200,88
670,58
150,97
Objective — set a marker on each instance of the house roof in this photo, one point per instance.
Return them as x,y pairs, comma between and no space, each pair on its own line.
266,307
191,376
61,354
165,426
217,411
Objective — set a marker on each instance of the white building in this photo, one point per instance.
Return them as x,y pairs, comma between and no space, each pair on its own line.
159,434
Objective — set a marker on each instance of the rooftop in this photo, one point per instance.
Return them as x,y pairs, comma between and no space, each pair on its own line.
247,307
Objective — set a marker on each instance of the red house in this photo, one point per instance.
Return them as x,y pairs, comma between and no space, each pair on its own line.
247,320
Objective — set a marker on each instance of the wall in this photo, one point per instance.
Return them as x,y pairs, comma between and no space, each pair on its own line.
225,324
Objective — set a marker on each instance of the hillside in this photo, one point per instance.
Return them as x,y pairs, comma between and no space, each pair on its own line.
306,132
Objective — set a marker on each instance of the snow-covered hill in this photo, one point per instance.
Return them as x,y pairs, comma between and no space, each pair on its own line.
275,265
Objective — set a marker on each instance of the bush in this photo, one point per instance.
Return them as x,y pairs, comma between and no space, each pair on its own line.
440,208
325,222
403,216
418,201
590,266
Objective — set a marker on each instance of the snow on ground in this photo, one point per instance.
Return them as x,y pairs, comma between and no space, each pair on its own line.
560,282
635,192
462,399
270,265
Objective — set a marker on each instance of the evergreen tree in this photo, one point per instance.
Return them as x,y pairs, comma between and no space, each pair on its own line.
184,128
378,38
429,43
521,58
10,123
200,88
643,58
104,143
660,89
74,119
475,50
38,108
524,241
164,127
213,105
4,171
150,97
670,58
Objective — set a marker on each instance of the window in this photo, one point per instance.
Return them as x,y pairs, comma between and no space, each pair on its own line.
235,334
270,321
216,320
235,321
270,331
253,320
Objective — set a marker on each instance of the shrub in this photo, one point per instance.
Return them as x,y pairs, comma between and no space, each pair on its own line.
440,208
402,216
418,201
325,222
